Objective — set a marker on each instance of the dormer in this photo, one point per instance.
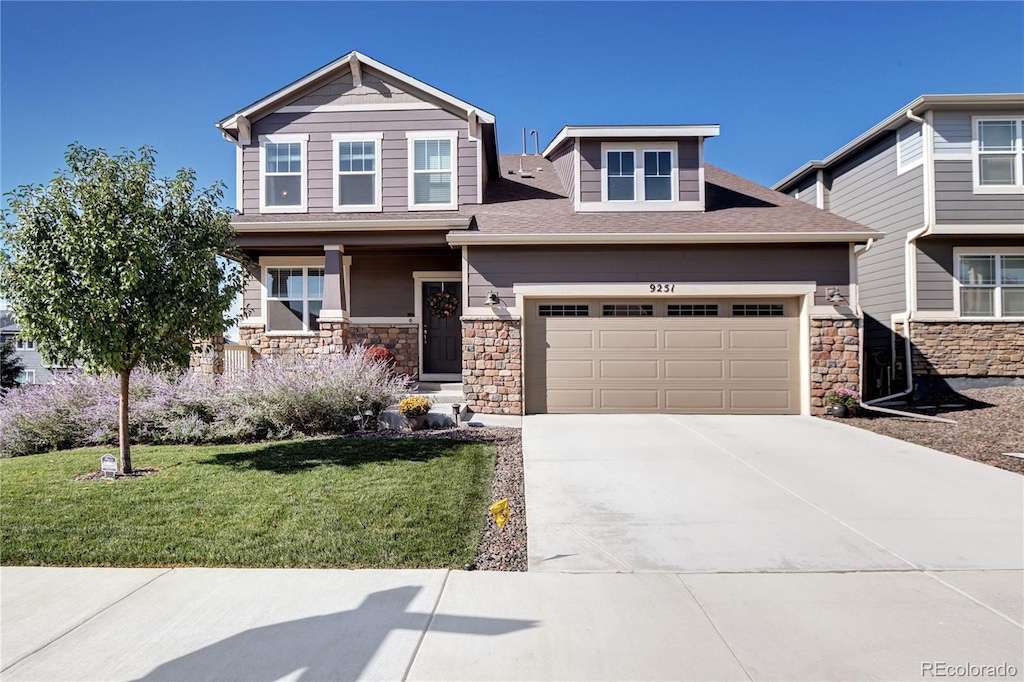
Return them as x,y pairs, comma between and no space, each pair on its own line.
632,168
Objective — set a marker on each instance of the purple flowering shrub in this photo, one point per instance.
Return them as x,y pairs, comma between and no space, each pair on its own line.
280,397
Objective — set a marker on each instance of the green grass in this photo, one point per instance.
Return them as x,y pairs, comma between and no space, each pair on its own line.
343,502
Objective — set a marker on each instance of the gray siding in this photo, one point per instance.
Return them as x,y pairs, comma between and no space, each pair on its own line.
31,360
951,132
342,91
499,268
910,144
252,295
807,191
935,268
956,202
868,190
382,283
688,156
563,161
394,152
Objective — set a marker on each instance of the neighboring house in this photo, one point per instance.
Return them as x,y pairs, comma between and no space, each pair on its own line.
34,368
617,272
943,179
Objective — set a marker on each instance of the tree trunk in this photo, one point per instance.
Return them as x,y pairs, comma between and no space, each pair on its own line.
126,453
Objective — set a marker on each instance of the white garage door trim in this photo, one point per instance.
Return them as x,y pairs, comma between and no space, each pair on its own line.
804,291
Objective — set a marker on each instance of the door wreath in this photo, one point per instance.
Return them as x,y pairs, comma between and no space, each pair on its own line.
442,304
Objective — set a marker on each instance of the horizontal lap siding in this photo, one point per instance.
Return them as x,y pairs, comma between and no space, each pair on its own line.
563,162
868,190
807,192
688,159
951,132
394,153
382,283
936,267
956,202
499,268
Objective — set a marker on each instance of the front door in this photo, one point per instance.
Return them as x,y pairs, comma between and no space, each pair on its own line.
442,328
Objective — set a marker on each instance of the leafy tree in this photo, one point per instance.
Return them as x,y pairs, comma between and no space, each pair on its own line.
111,265
10,366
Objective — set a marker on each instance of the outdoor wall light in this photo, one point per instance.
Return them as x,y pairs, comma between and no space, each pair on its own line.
492,298
833,296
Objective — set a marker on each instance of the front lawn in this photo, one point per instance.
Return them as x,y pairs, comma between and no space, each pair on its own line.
341,502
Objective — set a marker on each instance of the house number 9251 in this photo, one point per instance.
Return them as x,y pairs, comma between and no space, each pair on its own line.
663,288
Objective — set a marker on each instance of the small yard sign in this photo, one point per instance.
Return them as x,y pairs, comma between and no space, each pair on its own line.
500,511
108,465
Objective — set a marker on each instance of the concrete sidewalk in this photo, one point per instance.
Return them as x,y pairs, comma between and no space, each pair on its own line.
250,624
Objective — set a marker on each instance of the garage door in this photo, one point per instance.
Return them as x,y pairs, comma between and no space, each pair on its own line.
675,356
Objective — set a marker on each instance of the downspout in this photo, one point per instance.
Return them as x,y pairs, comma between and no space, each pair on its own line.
910,259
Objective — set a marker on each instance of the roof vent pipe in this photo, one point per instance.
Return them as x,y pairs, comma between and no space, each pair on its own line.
536,143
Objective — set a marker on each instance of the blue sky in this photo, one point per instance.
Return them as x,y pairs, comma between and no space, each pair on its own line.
787,81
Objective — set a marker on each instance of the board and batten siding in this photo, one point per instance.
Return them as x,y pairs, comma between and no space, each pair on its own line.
687,156
563,160
868,190
394,153
499,268
936,267
956,202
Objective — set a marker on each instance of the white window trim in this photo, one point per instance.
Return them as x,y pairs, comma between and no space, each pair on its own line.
29,375
902,168
303,139
24,344
411,138
304,264
640,204
960,252
377,139
1017,188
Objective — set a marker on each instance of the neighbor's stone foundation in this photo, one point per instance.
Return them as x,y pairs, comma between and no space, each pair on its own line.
402,340
967,349
835,353
492,365
208,356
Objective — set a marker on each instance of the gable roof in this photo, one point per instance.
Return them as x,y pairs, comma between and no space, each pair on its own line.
353,61
897,120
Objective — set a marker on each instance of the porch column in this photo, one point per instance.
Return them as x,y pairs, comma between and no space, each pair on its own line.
334,307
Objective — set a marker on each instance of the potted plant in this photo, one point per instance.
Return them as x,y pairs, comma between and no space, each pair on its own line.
842,402
415,408
380,354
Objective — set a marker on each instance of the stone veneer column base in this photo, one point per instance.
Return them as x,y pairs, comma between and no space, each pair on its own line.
492,362
967,349
835,358
208,356
402,340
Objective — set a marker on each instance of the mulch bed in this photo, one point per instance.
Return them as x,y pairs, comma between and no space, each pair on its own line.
989,423
504,549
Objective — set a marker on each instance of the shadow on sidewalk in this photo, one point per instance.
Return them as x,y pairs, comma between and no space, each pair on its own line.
337,646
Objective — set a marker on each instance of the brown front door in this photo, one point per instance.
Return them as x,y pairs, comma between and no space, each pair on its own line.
442,328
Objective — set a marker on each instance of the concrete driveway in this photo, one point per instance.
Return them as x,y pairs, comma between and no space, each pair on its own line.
711,494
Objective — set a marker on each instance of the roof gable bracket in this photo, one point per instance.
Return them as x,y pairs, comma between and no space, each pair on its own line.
357,70
244,130
473,119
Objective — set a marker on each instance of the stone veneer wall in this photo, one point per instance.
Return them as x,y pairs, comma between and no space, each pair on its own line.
492,365
330,339
835,358
971,349
402,340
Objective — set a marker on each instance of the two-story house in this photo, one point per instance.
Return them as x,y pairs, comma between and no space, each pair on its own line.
615,272
34,369
943,179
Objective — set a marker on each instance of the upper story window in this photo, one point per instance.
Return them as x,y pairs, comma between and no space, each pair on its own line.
433,170
991,284
283,173
357,176
24,344
640,174
998,151
294,298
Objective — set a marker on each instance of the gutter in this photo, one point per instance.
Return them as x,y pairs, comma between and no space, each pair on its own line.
480,239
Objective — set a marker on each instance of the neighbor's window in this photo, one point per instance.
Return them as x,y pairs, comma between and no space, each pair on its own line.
357,172
658,176
294,298
999,154
283,170
433,183
621,176
24,344
991,285
26,376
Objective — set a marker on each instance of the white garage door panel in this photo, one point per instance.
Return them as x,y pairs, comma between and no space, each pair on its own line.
725,364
